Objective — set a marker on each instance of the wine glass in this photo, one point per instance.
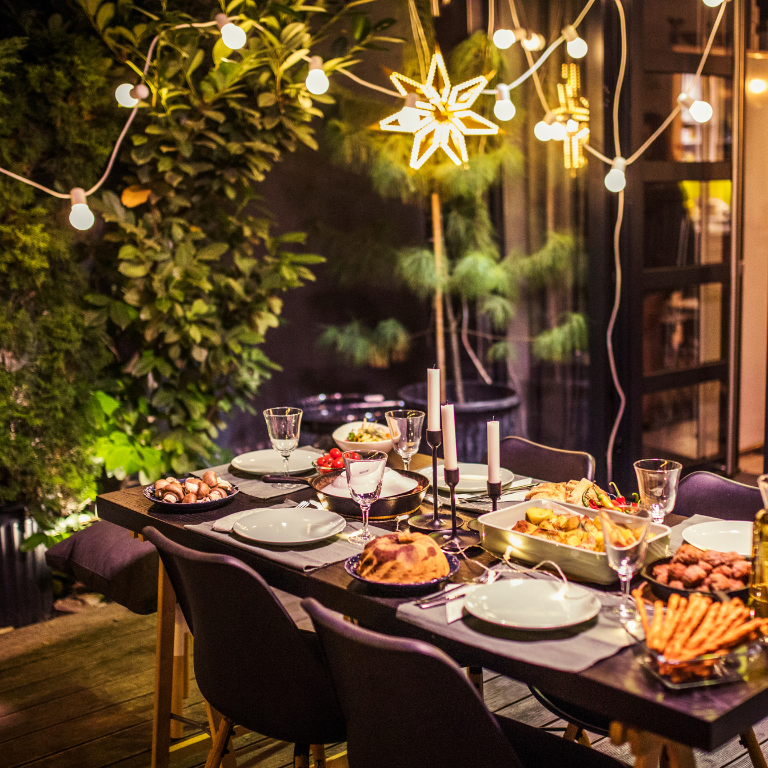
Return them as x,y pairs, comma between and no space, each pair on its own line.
365,471
626,540
405,428
657,482
284,425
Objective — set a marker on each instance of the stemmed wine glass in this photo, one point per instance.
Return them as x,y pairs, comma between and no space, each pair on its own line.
365,471
284,425
657,482
626,540
405,428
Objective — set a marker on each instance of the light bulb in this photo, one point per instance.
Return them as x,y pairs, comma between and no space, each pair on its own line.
700,111
757,86
542,131
713,3
503,38
80,217
123,95
503,109
231,35
616,180
571,126
317,81
534,42
558,132
139,92
409,118
576,47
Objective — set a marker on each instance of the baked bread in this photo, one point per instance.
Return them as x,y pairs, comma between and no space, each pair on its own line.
570,492
402,558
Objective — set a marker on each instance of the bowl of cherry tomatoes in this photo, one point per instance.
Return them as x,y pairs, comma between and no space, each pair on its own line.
332,460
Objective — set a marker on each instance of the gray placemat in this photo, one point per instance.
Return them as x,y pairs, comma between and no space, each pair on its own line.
676,532
571,650
307,558
252,486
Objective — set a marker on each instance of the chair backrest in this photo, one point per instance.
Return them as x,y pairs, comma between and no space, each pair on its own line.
405,701
704,493
541,462
252,662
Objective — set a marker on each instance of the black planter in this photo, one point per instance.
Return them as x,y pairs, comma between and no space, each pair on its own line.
25,579
484,402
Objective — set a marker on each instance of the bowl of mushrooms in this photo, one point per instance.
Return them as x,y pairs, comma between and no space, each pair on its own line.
191,494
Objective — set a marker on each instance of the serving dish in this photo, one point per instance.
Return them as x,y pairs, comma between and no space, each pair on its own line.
722,536
179,506
290,526
664,591
341,433
473,478
269,460
497,536
350,566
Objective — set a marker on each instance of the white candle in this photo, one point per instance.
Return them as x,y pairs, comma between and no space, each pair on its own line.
449,437
494,473
433,399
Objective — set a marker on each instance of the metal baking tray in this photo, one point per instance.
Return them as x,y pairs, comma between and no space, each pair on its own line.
497,534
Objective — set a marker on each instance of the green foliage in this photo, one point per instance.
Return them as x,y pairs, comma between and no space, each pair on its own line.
559,344
377,347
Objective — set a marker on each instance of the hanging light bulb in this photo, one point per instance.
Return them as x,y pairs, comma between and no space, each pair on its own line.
757,85
503,38
123,95
558,132
542,131
317,81
713,3
576,47
503,109
231,35
571,126
409,118
616,179
81,216
700,111
533,42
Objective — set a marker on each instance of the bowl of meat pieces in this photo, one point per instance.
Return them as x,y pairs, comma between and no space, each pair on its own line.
692,569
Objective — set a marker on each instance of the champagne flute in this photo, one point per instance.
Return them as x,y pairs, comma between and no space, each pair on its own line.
657,482
284,425
405,428
365,471
626,540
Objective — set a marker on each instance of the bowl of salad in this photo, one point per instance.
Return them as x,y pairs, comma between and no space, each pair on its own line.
363,436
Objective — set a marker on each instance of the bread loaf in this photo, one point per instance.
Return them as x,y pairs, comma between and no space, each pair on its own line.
402,558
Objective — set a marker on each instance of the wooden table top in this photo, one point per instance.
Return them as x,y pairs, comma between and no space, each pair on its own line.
616,687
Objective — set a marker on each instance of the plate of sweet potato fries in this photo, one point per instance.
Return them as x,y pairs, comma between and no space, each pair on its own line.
697,641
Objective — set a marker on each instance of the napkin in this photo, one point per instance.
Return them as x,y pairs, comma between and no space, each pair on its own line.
226,524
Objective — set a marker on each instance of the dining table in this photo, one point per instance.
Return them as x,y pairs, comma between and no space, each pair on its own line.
643,712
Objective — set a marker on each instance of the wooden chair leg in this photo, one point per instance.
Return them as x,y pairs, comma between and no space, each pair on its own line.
215,719
749,740
584,739
220,741
161,716
300,756
475,675
180,632
318,754
187,662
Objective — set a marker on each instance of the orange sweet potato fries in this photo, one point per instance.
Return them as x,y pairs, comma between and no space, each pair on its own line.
690,629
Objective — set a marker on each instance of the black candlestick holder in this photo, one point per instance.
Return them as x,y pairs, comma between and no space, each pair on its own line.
455,540
435,521
494,492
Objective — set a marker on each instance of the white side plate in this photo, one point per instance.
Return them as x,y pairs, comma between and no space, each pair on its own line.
532,604
289,526
722,536
473,478
270,462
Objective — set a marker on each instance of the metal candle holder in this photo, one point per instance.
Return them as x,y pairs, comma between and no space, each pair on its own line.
436,521
455,540
494,492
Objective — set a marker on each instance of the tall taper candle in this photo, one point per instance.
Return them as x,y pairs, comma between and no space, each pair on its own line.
494,473
433,399
449,437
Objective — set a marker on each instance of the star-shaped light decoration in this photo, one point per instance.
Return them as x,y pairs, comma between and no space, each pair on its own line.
574,110
440,117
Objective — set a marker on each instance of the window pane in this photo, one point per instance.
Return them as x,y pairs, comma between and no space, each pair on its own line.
687,223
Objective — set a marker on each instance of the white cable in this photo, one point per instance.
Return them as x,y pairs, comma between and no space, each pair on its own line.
372,85
609,335
619,79
599,155
35,184
544,56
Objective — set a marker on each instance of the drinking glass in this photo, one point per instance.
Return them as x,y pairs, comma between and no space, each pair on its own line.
364,476
405,428
626,540
657,482
284,425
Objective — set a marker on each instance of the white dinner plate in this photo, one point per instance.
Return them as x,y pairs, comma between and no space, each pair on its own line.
722,536
287,526
270,462
472,477
532,603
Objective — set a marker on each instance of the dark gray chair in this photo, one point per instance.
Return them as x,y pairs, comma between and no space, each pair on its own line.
252,663
408,704
541,462
704,493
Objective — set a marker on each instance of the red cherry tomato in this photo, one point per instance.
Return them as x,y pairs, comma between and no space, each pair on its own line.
335,453
338,463
323,461
353,455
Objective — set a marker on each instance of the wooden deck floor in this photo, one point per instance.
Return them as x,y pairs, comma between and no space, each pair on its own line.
76,692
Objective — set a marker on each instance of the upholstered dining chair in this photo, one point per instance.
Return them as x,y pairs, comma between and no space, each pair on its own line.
704,493
524,457
408,703
252,663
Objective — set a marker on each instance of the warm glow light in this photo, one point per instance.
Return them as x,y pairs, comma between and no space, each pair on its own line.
503,109
80,217
700,111
757,85
317,80
713,3
534,42
231,35
577,49
410,117
616,180
571,126
542,131
123,95
503,38
558,132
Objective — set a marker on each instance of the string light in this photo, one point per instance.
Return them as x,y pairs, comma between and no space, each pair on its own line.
757,85
533,42
231,35
505,38
80,217
503,109
616,180
317,80
700,111
128,95
713,3
576,46
409,117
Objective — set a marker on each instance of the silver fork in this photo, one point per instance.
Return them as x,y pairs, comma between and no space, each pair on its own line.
458,590
302,504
